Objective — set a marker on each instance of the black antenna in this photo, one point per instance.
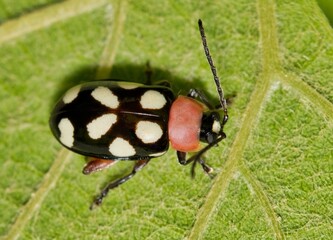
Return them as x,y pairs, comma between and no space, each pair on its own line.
223,102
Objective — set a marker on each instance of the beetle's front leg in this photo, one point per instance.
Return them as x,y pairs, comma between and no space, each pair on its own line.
195,93
196,158
137,167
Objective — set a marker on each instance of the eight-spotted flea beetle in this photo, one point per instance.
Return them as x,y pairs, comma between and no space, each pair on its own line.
110,121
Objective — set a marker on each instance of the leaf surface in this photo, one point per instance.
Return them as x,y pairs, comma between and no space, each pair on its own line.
274,172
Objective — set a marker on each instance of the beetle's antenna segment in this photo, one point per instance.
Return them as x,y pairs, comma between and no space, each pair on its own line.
213,68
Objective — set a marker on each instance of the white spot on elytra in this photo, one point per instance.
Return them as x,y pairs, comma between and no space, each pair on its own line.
71,94
99,126
105,97
216,128
152,100
66,129
121,148
148,132
129,85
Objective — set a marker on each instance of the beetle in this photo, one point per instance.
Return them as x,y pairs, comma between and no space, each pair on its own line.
109,121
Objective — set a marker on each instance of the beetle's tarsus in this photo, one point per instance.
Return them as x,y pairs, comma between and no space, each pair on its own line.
96,203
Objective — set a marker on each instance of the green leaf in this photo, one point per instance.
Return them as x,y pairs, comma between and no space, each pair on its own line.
274,172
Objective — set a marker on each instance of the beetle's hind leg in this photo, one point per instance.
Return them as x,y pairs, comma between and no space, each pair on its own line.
139,164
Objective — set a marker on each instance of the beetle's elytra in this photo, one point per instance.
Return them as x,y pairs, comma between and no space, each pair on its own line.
109,121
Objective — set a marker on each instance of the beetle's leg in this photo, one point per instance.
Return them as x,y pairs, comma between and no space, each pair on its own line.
197,157
139,164
230,98
205,167
149,73
97,164
163,83
195,93
182,160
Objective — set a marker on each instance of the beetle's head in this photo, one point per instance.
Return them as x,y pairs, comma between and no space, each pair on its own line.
212,126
